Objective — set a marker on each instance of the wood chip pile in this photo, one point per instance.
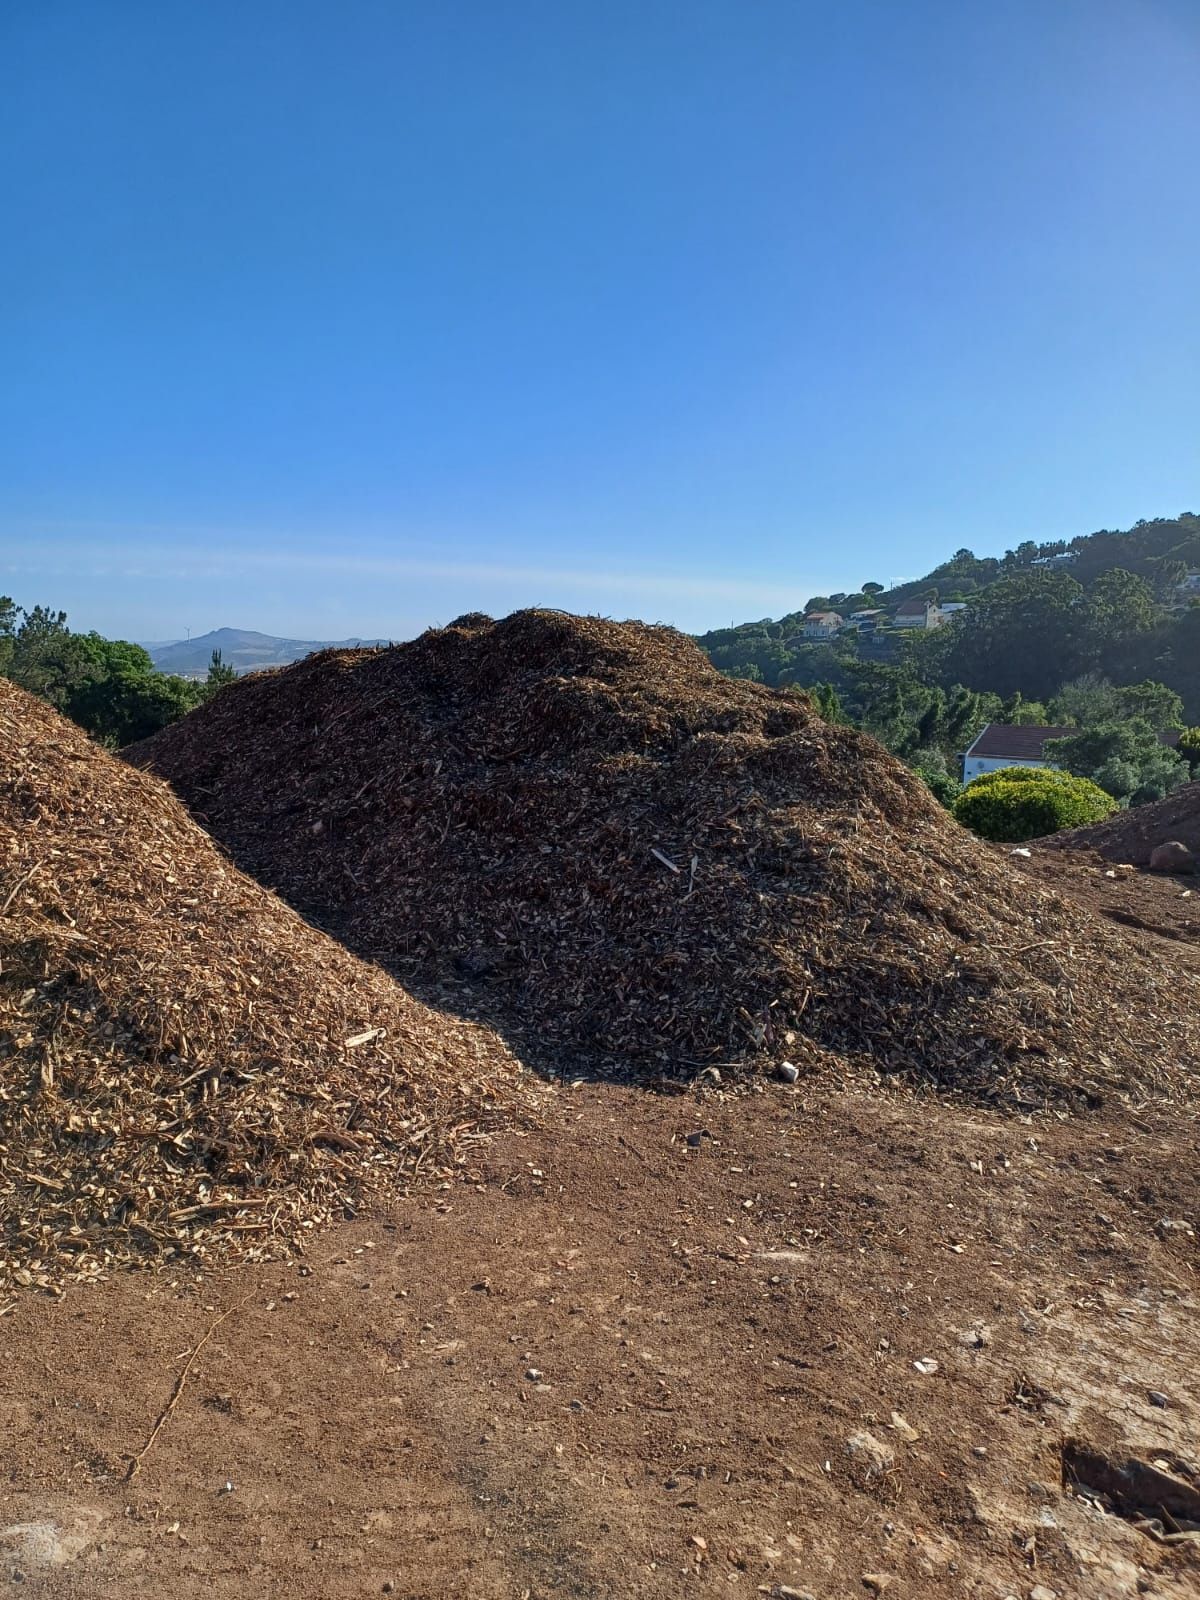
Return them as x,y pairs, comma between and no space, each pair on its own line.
1132,835
187,1068
625,858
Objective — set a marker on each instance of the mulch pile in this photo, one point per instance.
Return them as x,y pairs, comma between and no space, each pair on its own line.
187,1069
1131,835
630,861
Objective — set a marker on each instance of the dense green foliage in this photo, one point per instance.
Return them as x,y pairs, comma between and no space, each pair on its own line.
108,686
1019,803
1086,633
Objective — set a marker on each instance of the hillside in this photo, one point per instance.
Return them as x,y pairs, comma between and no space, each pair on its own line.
1118,605
242,649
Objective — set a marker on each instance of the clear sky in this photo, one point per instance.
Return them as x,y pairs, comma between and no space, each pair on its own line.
331,318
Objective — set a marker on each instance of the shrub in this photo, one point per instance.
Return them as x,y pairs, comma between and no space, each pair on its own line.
1189,747
941,785
1027,802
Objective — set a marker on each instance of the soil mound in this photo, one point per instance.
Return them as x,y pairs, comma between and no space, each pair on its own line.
186,1067
1132,835
623,856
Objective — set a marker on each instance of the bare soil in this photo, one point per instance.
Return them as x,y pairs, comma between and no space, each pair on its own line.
1156,904
613,1362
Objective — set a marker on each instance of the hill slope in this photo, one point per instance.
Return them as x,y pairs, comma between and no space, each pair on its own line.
625,856
242,649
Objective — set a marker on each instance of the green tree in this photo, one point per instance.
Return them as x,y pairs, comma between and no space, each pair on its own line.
1026,632
1128,756
1084,701
1161,707
218,672
46,657
122,698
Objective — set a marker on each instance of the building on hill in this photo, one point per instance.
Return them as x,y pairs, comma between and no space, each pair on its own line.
916,614
821,625
1189,588
864,621
1002,744
952,608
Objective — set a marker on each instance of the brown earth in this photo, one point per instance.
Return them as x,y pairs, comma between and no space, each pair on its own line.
1131,835
726,1336
582,833
1156,904
861,1336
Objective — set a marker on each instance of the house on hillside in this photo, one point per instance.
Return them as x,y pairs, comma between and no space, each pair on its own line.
1189,588
865,621
1001,744
821,625
952,608
916,614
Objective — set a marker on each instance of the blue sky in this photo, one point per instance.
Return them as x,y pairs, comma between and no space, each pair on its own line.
346,318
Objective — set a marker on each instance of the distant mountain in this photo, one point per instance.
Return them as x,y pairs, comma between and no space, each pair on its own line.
241,649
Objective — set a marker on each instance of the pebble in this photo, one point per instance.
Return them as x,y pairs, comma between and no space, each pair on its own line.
533,1374
927,1366
788,1072
1041,1592
1169,1225
1157,1398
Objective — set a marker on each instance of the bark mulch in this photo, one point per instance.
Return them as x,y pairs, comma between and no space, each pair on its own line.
187,1068
627,860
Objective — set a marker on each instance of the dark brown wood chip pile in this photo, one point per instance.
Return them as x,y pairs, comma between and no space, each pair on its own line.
187,1068
627,858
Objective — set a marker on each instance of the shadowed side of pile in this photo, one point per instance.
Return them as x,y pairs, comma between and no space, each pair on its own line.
628,857
188,1068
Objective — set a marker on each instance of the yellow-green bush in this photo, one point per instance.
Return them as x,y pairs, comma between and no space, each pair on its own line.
1018,803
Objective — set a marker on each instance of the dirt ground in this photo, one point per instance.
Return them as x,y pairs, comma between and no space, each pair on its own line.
1159,904
773,1343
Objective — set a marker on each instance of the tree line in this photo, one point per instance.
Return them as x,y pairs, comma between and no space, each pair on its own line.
108,686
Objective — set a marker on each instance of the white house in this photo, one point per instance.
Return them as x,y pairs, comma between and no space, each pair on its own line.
1001,745
1023,745
821,624
916,614
1190,587
952,608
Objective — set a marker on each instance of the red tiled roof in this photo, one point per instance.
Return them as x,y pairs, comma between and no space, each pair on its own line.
913,608
1000,741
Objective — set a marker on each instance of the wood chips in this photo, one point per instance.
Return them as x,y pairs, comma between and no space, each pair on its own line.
582,832
187,1068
